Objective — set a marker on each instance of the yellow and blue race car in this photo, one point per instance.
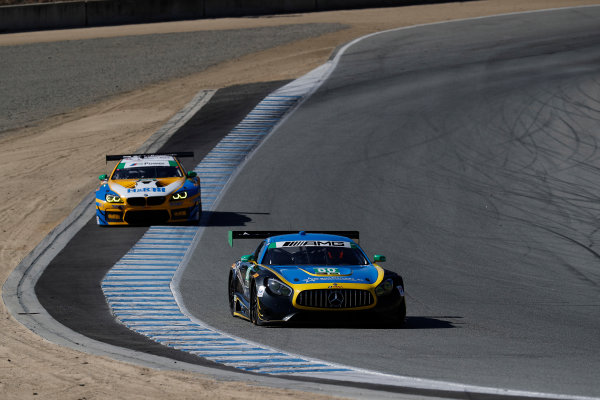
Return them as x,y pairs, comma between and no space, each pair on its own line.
294,275
145,189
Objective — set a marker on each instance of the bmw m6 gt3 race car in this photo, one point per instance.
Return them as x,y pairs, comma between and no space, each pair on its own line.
295,275
147,189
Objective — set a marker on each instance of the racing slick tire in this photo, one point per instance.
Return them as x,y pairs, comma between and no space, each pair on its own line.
398,319
254,305
231,293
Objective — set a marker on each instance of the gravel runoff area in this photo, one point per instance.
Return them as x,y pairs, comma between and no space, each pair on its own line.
59,132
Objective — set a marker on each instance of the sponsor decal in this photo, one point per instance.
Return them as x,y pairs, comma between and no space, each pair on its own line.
313,243
400,290
113,216
261,291
145,163
335,286
180,213
328,278
147,190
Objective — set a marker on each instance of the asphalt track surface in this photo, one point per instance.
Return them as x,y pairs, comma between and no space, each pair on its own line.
467,153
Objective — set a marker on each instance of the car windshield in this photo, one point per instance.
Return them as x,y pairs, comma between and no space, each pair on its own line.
314,255
148,172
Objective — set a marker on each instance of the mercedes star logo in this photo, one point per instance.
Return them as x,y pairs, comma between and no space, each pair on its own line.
335,298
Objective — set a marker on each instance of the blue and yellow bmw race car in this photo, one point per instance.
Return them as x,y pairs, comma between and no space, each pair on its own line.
293,275
148,189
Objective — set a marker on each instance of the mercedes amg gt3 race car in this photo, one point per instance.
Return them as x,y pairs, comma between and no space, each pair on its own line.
293,275
147,189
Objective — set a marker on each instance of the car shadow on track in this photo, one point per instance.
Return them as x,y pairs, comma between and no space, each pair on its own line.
423,322
226,218
411,322
209,218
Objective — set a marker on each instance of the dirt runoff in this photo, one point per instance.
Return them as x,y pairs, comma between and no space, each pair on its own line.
32,367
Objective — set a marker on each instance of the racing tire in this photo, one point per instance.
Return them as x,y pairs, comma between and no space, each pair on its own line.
254,317
399,317
231,293
193,222
196,221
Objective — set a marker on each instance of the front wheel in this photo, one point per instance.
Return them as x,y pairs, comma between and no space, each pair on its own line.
231,292
255,307
399,317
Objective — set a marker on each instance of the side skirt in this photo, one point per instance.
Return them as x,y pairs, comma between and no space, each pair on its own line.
242,308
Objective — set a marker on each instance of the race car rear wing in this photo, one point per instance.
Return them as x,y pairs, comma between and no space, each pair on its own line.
354,235
117,157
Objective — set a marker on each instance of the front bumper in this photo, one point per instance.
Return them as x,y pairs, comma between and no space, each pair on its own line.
274,308
169,212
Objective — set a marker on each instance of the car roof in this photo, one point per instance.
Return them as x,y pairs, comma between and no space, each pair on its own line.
302,236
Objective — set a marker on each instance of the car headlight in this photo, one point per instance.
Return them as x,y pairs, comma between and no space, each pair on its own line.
113,198
279,288
384,287
179,196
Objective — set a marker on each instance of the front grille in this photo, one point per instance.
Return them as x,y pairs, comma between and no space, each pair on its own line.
335,298
146,201
155,201
136,201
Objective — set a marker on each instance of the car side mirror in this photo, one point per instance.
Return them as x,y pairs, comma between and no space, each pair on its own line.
379,258
247,258
103,177
191,174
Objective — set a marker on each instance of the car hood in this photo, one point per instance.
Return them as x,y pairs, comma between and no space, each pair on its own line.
303,274
145,187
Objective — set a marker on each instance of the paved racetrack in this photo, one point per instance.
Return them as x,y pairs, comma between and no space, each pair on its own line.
467,153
